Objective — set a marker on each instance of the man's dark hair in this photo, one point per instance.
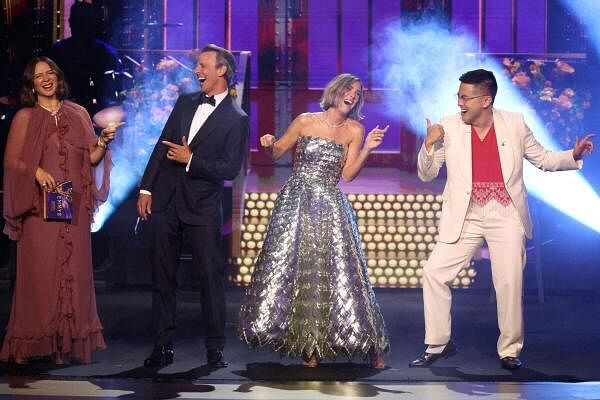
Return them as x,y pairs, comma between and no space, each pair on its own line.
224,57
482,78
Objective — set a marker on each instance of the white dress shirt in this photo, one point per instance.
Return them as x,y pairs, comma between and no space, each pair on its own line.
202,113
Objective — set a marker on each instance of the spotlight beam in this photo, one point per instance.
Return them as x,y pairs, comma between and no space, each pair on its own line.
422,63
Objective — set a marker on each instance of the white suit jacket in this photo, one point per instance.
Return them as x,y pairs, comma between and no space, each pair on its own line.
515,142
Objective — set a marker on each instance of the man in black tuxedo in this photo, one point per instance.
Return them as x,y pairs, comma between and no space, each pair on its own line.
202,144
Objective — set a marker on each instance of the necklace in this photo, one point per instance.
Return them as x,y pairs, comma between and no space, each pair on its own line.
325,120
53,113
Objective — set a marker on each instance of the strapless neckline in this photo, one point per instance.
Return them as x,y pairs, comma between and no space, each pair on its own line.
322,139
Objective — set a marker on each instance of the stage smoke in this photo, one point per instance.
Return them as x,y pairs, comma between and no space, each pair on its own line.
420,65
147,107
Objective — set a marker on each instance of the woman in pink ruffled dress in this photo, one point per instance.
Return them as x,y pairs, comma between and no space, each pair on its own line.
51,140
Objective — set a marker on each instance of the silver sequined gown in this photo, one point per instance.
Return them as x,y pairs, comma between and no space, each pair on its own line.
310,291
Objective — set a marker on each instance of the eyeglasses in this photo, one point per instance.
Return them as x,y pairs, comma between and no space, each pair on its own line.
464,98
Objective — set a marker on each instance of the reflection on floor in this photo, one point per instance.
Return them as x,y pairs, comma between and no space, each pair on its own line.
561,356
21,388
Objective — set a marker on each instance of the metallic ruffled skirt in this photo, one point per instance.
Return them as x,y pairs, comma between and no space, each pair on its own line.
310,292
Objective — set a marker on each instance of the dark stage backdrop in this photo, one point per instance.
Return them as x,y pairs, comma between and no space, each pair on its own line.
302,44
296,45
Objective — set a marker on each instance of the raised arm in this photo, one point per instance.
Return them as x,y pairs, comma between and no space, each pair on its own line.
98,151
548,160
356,156
275,148
431,156
583,147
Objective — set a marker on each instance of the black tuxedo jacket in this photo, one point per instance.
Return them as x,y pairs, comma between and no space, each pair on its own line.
218,147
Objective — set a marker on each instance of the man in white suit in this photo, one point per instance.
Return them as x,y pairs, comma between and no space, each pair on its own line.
484,199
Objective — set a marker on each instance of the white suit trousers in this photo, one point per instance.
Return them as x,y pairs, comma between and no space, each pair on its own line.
503,232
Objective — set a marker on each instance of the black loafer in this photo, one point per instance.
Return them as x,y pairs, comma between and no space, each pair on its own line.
161,356
426,359
511,363
215,359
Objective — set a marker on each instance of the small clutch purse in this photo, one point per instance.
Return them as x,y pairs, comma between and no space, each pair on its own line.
58,202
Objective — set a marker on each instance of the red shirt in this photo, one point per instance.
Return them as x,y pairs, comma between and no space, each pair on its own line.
487,172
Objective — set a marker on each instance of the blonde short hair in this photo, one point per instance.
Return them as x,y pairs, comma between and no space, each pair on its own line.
335,90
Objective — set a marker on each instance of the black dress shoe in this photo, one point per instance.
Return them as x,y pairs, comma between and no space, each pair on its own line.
161,356
215,359
426,359
511,363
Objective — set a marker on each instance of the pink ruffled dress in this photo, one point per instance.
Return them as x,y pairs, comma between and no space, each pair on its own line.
54,304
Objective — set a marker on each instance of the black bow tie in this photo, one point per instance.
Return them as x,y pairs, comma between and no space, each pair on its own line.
207,99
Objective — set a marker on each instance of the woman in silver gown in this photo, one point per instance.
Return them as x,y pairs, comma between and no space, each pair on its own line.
310,294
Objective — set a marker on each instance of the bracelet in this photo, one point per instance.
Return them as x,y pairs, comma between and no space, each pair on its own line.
102,143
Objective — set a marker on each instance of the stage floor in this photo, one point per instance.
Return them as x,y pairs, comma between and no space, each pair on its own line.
317,390
561,356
